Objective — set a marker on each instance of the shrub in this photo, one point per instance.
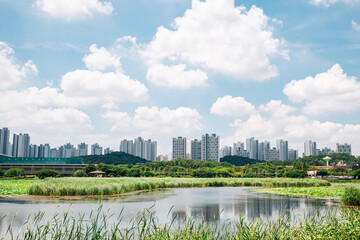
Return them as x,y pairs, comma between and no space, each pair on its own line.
356,173
1,172
148,174
44,173
15,172
296,174
80,173
351,196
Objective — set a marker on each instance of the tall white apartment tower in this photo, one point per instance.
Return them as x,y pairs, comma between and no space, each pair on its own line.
210,147
283,148
252,146
309,148
4,141
195,149
179,148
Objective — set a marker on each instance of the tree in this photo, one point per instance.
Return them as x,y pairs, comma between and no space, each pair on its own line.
89,168
80,173
45,173
356,173
15,172
1,172
322,172
294,173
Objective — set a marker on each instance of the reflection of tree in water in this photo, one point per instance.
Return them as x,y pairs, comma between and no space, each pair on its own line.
209,213
179,215
269,207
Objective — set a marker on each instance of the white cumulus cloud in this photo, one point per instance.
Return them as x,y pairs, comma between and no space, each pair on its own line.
331,91
100,87
176,76
10,72
74,9
100,59
355,25
235,106
327,3
215,35
154,121
294,128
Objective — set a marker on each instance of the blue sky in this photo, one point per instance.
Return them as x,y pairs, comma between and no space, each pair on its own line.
101,71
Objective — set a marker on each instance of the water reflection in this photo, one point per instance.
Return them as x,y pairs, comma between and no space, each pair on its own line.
212,205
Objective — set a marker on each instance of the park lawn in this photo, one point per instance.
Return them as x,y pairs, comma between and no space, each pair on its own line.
11,187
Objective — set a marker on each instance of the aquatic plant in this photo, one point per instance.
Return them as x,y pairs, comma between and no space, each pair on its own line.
351,196
342,225
110,186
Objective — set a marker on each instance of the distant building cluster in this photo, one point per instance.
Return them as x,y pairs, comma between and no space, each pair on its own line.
139,147
205,149
22,147
263,150
257,150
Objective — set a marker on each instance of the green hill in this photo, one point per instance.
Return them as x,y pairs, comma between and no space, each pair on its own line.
239,161
114,158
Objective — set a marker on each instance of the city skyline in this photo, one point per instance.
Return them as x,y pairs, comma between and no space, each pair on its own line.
101,71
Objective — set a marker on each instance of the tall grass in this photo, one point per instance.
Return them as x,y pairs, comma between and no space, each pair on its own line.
110,186
344,225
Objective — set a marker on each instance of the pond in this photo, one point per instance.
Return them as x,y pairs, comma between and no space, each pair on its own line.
212,205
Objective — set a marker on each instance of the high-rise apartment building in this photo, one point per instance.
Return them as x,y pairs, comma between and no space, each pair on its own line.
179,148
252,146
343,148
139,147
96,149
293,154
210,147
309,148
195,149
107,151
225,151
21,144
4,141
283,148
82,149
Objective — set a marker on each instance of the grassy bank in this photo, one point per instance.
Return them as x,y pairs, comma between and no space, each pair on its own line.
321,192
110,186
345,225
10,187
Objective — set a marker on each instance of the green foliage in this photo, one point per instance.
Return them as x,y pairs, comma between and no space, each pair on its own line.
322,172
317,160
10,187
356,173
351,196
115,158
239,161
90,168
15,172
45,173
321,192
80,173
108,186
294,173
1,172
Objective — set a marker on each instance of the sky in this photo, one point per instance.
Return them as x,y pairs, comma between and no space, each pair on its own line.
105,70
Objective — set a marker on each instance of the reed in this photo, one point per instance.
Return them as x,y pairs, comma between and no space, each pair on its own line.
112,186
342,225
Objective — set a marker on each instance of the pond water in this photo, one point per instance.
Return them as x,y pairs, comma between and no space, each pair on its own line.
212,205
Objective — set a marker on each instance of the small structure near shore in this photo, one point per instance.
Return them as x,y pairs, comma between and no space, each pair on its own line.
327,159
97,173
